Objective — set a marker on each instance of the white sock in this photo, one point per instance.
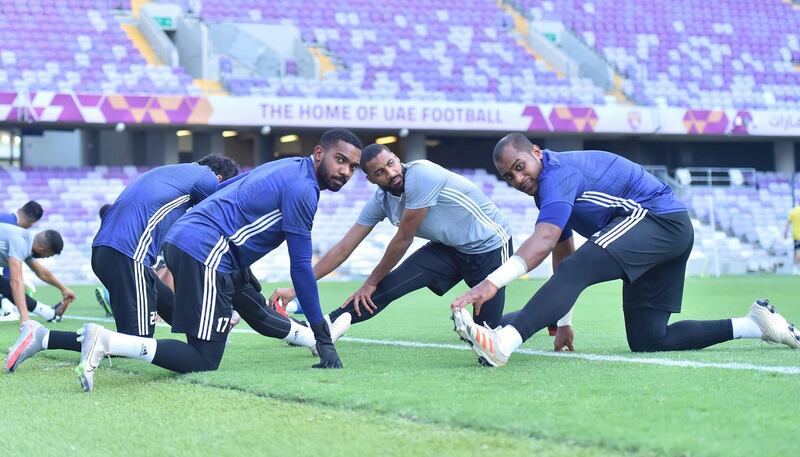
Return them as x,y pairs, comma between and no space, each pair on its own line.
134,347
744,327
300,335
509,340
46,339
44,311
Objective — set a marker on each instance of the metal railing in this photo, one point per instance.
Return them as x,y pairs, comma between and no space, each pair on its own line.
716,177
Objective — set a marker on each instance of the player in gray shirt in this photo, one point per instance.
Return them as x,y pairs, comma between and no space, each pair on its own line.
469,237
18,245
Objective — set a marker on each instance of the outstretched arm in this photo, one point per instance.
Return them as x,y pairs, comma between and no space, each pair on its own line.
306,286
340,252
395,251
17,288
303,275
530,254
67,296
564,334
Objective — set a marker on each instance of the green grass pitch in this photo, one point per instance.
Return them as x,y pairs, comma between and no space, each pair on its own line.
409,401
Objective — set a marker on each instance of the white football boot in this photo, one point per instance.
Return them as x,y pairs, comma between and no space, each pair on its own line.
774,327
29,343
93,348
484,340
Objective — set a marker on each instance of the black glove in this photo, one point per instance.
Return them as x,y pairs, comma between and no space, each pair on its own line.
328,358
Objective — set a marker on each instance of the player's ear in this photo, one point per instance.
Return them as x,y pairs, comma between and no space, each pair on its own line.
537,152
219,178
318,153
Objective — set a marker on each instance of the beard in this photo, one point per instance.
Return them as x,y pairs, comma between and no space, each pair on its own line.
332,183
396,186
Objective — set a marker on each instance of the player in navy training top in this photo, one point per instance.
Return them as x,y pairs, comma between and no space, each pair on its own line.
130,235
637,231
25,217
209,247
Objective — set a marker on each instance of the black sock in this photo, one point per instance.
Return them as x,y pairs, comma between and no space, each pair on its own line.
333,315
63,340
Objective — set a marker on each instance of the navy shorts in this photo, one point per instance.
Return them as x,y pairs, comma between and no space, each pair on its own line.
203,296
132,290
652,251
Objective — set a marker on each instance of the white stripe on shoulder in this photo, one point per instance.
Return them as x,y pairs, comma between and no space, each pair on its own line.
611,200
257,226
147,236
464,201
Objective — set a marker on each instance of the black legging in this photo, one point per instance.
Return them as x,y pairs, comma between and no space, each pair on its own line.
409,277
648,331
253,308
194,355
165,301
646,328
589,265
5,290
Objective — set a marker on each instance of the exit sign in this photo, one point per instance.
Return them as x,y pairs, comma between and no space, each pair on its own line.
164,22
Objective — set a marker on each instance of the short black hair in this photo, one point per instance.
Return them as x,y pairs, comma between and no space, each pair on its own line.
32,210
53,241
104,210
369,153
220,165
333,136
518,140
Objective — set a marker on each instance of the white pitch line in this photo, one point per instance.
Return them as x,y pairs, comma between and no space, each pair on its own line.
534,352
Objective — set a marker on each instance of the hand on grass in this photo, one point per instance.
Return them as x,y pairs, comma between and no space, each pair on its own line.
563,340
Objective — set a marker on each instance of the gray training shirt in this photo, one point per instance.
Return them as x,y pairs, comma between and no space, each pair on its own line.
459,214
15,242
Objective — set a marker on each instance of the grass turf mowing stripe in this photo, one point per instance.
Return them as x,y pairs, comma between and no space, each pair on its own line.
583,356
164,417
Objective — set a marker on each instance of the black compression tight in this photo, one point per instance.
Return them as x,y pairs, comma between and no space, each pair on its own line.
195,355
589,265
648,331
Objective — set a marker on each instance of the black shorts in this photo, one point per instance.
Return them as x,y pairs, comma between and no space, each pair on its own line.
132,290
444,266
652,251
203,296
441,267
797,245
